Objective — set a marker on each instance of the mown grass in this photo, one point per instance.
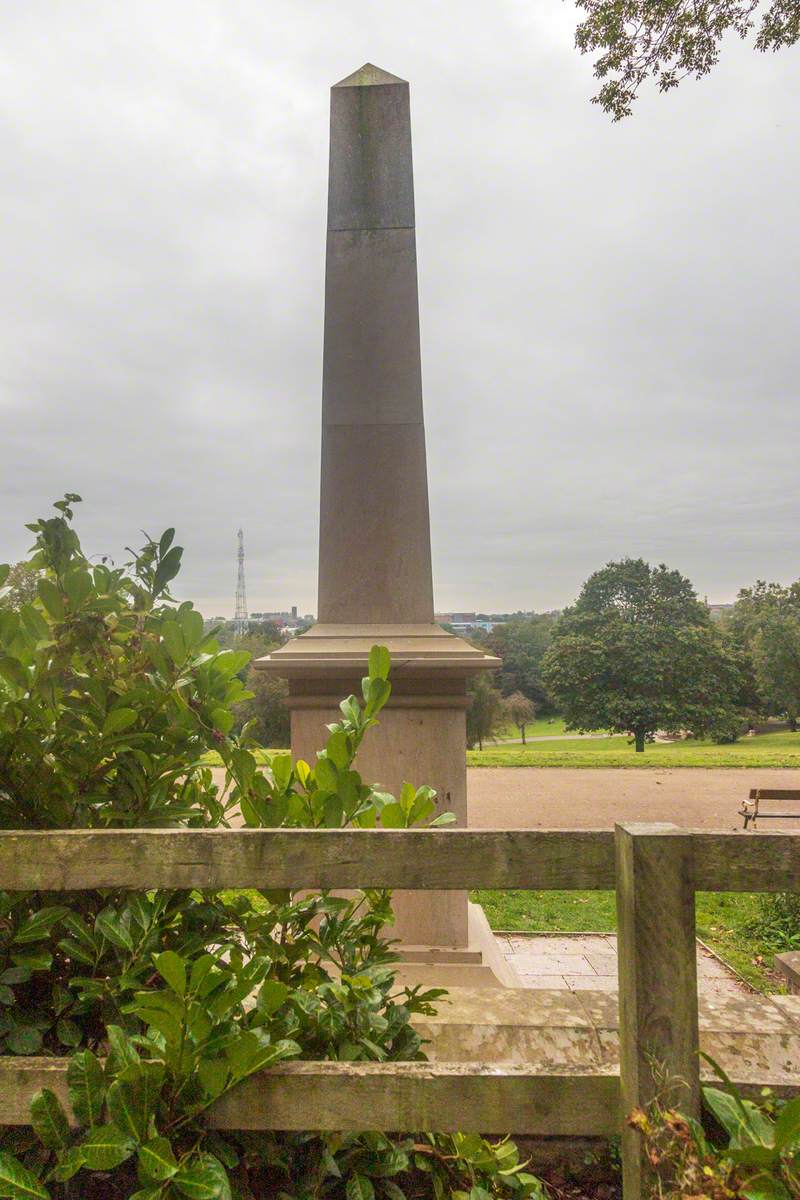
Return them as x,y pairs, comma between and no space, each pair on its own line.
541,727
777,750
766,750
723,919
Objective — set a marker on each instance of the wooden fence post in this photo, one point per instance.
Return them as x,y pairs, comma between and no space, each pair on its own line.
658,1035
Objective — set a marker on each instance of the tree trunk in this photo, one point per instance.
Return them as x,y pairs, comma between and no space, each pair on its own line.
522,731
639,735
793,724
480,742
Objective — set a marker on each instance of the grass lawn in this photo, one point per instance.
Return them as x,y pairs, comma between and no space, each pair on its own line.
541,727
721,921
766,750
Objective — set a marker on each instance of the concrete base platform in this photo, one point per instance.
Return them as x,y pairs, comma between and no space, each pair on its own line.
755,1038
481,964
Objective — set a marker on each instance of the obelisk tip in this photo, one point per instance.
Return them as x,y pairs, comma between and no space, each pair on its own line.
368,76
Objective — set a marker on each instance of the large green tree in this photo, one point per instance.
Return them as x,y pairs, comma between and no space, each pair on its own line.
765,623
666,40
638,652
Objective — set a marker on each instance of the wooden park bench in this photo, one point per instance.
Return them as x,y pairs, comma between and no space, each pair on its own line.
752,808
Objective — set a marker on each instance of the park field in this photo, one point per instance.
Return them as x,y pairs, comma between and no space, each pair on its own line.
773,750
765,750
541,727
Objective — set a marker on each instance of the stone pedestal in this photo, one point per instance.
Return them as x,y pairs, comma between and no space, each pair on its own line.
421,738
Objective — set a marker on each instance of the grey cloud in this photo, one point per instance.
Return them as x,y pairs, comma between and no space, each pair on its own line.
608,312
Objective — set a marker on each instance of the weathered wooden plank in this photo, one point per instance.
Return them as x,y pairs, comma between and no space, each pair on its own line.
444,859
739,862
295,858
435,1097
658,1028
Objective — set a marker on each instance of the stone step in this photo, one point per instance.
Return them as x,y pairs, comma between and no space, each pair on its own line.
756,1039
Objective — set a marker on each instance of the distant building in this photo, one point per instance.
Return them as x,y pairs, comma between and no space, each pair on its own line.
461,622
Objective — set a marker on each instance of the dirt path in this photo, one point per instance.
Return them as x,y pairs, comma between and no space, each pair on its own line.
574,798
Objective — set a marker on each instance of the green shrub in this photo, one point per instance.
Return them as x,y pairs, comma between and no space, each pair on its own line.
757,1156
778,920
110,695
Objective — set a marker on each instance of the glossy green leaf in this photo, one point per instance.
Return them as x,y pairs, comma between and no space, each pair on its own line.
156,1160
68,1032
167,569
106,1147
172,970
13,670
51,598
69,1163
359,1187
78,586
49,1120
325,775
379,662
17,1182
204,1178
39,924
272,995
337,749
393,816
122,1048
281,766
86,1087
112,927
24,1039
393,1192
119,719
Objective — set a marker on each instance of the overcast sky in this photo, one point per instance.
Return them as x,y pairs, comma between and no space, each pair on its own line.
611,359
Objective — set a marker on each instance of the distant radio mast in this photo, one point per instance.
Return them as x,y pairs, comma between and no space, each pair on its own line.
240,615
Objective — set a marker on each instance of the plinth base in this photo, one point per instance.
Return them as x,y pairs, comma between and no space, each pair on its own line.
420,739
480,963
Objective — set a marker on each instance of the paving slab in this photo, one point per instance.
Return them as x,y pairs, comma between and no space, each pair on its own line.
583,960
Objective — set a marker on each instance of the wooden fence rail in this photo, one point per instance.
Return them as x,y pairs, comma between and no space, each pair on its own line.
656,870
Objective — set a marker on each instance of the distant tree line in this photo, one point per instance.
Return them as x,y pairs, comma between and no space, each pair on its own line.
638,653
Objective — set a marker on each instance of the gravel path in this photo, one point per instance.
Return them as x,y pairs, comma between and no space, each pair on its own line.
575,798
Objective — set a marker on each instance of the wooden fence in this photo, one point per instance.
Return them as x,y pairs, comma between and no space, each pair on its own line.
656,870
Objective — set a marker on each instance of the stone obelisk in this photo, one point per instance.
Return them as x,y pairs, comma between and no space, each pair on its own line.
375,582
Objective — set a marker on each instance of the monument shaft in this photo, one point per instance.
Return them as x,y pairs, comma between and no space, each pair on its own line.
374,556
